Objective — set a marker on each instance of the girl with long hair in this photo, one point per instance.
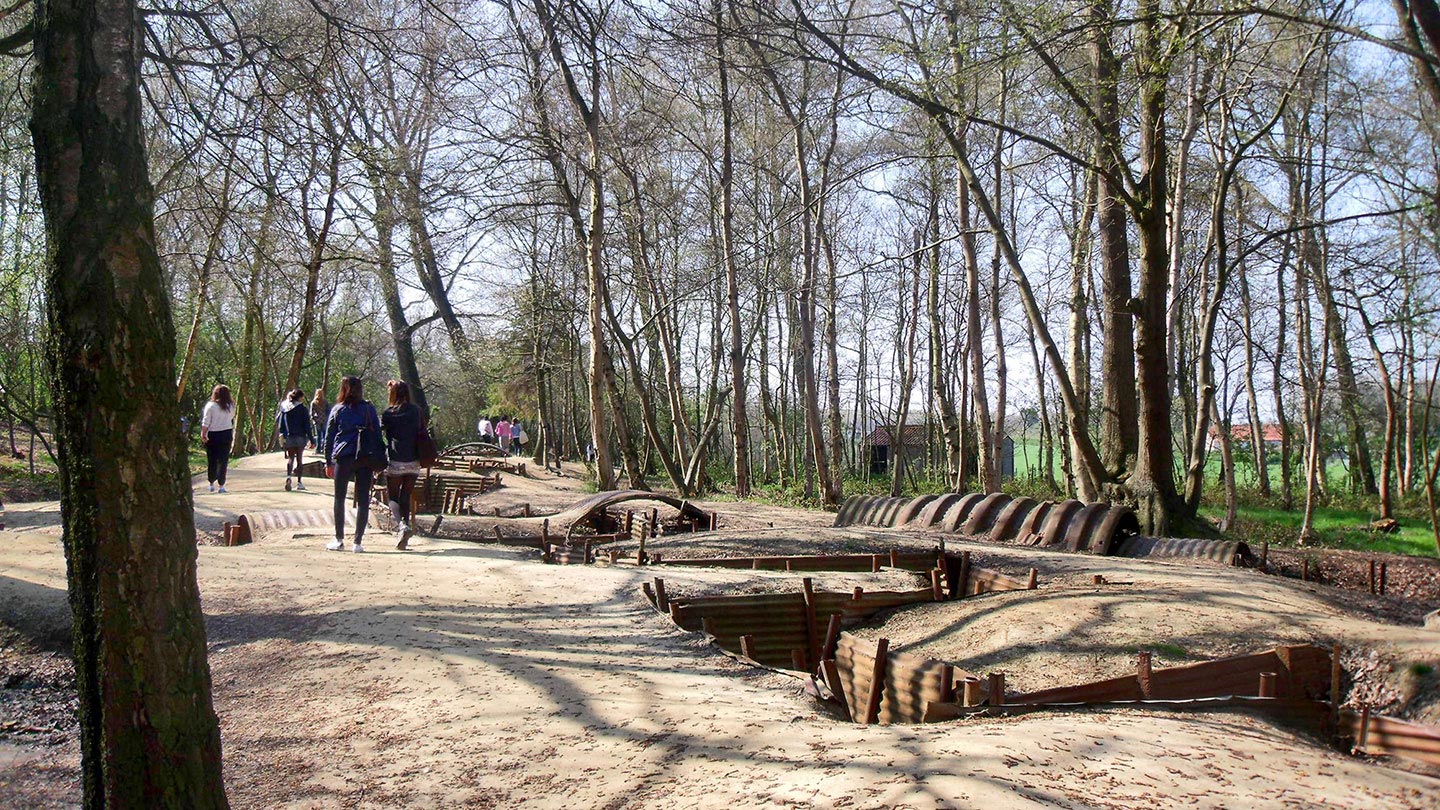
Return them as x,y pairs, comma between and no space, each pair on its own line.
346,458
402,422
293,422
217,430
319,412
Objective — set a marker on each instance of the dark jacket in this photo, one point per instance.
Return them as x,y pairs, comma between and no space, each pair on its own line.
342,429
293,420
402,425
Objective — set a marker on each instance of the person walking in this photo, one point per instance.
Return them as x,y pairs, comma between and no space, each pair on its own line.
217,431
402,422
487,430
517,438
319,412
502,432
353,450
293,423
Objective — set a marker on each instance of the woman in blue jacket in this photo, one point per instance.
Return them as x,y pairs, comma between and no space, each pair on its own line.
353,450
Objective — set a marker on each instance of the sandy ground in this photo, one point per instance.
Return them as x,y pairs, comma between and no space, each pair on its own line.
458,675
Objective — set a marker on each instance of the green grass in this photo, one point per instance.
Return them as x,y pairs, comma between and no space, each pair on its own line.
1338,527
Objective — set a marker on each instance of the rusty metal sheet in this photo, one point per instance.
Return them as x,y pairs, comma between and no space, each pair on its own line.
984,514
1228,552
955,517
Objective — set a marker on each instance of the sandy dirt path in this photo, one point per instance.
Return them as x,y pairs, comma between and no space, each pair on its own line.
458,675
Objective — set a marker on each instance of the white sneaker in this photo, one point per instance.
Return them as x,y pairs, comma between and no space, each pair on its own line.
212,486
335,545
300,485
404,534
359,549
222,488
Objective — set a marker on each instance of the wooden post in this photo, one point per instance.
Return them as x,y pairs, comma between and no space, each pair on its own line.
856,594
964,574
1335,673
629,523
644,586
970,691
937,591
947,683
747,647
832,679
874,563
812,632
1372,575
1142,673
1265,555
789,566
527,509
659,558
877,681
714,521
1097,579
498,537
587,558
1305,569
497,511
797,660
1266,688
225,534
655,522
640,550
1382,578
894,558
997,689
1034,580
1364,735
832,637
675,613
661,601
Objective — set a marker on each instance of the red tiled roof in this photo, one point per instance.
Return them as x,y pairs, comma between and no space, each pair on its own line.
914,436
1241,433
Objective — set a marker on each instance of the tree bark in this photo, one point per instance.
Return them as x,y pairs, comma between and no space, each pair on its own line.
149,734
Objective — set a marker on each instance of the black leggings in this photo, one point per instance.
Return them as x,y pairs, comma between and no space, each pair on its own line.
400,489
217,454
345,469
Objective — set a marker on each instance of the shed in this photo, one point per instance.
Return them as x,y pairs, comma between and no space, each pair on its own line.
881,443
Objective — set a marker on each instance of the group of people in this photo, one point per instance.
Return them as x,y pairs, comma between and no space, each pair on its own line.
511,437
356,440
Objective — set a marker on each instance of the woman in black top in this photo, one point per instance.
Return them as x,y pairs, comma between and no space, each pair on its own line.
402,422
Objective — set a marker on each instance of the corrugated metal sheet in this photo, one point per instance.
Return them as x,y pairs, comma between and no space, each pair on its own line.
1228,552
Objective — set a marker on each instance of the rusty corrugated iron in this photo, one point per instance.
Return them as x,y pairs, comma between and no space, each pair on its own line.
1227,552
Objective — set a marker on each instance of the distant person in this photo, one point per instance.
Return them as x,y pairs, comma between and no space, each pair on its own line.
349,454
293,423
217,431
517,438
319,412
502,432
402,422
487,431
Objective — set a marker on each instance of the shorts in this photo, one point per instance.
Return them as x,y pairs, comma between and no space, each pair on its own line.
295,442
404,468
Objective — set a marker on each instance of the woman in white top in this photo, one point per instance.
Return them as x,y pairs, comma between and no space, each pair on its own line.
217,429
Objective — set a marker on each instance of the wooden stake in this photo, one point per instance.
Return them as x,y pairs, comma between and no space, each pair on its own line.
1335,673
714,521
937,592
832,637
655,522
640,551
1305,570
498,538
747,647
225,533
660,599
874,563
812,632
964,574
587,558
545,530
970,691
675,613
997,689
894,558
947,683
1364,729
1267,685
629,523
644,586
1265,555
1372,575
1382,578
497,511
527,509
1142,673
831,672
857,593
1034,580
877,681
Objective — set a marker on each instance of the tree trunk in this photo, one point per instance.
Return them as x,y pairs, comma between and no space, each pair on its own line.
401,333
149,734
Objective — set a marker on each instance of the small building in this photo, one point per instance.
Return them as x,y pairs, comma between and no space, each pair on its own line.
881,444
1270,434
1007,459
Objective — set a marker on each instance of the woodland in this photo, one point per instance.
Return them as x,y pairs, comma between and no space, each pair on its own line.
725,243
